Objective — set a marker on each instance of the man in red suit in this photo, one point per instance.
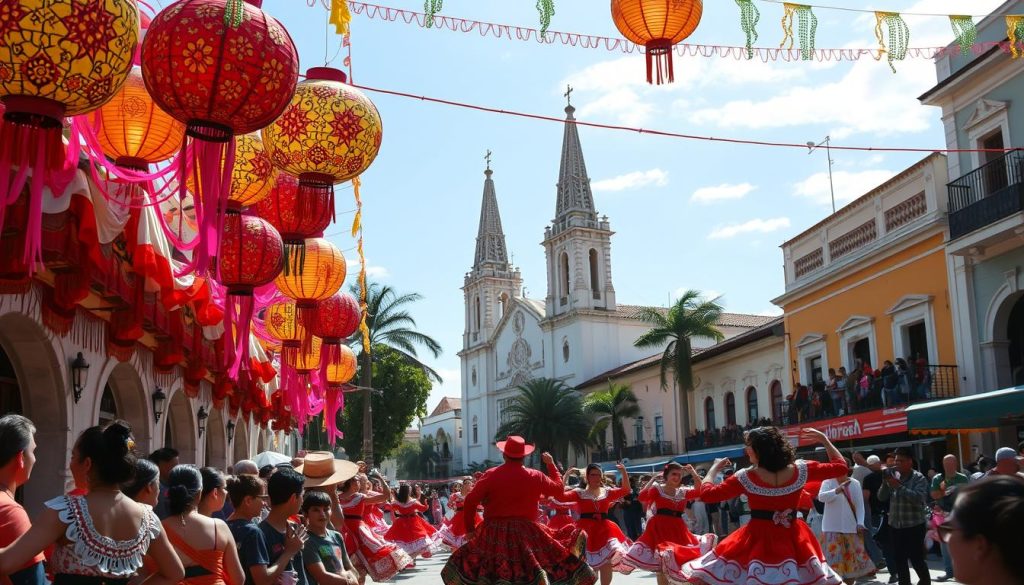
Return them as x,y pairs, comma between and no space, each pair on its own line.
510,546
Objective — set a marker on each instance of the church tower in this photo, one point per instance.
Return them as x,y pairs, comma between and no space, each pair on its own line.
577,244
493,282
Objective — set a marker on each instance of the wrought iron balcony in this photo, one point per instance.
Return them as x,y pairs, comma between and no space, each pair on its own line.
987,194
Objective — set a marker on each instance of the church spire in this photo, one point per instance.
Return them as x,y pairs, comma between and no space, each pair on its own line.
490,240
574,194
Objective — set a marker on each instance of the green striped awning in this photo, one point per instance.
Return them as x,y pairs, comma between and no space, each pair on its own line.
976,412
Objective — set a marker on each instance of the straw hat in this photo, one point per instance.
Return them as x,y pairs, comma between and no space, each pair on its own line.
321,468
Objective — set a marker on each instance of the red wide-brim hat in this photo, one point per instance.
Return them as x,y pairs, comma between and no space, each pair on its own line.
515,447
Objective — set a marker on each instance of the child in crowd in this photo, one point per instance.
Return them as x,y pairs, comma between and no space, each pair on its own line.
325,558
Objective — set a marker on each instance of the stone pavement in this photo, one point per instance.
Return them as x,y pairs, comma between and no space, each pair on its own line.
428,572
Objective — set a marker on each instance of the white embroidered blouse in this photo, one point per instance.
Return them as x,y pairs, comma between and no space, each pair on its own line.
90,553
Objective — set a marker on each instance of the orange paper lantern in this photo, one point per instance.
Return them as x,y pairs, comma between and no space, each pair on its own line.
321,275
344,370
132,130
657,25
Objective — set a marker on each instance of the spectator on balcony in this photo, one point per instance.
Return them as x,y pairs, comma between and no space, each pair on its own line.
923,379
904,379
890,385
802,402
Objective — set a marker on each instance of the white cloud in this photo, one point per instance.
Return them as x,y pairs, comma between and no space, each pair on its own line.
723,192
754,226
631,181
848,185
372,272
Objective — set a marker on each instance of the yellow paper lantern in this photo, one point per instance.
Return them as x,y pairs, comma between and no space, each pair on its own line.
328,134
307,358
132,130
253,175
320,276
282,322
344,370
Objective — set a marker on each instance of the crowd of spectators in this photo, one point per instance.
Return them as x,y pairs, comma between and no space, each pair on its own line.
730,434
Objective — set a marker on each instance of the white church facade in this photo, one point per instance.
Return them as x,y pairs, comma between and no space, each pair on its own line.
577,332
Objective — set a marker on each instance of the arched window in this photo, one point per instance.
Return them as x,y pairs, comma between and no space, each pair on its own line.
709,413
502,305
594,287
777,402
563,276
476,437
730,409
108,408
476,309
752,414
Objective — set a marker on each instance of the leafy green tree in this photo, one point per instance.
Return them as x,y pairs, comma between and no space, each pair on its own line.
390,324
401,395
548,414
418,460
608,408
691,316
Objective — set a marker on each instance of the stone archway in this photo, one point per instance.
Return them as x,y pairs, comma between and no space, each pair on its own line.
181,427
132,403
215,440
1002,354
240,441
44,400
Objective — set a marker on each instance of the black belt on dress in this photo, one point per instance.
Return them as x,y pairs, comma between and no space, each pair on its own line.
196,571
562,513
405,515
673,513
781,517
595,516
352,517
71,579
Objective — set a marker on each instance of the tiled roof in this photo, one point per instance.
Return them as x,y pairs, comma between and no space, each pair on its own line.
447,404
764,330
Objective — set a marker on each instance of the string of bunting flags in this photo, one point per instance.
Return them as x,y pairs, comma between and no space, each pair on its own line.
798,23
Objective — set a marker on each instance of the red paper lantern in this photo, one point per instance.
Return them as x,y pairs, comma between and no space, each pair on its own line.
333,320
57,58
223,67
657,25
296,216
251,254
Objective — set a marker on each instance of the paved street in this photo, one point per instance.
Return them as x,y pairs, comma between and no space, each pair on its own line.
428,572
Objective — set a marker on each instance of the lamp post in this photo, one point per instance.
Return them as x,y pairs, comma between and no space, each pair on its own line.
201,417
79,375
231,431
827,143
159,400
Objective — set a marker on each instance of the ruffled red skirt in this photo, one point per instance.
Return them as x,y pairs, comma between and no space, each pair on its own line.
453,532
560,521
414,535
606,544
381,560
762,552
666,544
513,551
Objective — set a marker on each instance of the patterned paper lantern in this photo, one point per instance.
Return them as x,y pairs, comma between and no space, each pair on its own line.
657,25
224,68
296,216
132,130
57,58
322,274
282,322
251,255
344,370
252,175
328,134
334,320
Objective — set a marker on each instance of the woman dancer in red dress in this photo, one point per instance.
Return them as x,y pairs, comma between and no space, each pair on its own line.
775,546
510,547
667,542
380,559
453,533
561,513
606,544
374,514
408,530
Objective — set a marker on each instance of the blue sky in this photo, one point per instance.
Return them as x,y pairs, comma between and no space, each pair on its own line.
687,214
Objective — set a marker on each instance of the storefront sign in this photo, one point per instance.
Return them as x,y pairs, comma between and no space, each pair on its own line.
874,423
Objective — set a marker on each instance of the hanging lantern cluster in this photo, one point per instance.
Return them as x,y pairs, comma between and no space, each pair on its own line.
657,25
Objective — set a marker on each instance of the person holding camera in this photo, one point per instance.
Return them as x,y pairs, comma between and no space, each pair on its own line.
906,490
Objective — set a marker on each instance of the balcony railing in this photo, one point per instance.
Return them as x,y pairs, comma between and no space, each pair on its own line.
987,194
641,451
941,383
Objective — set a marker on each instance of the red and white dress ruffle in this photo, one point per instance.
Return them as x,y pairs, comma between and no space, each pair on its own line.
453,532
667,542
375,516
606,544
380,559
410,532
767,550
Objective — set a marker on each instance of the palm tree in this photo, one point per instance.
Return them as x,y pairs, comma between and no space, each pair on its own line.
609,408
390,324
548,414
691,316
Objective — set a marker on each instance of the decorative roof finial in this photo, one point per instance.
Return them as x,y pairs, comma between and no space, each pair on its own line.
568,95
487,157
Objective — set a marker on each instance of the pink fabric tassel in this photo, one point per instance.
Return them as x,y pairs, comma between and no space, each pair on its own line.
239,333
334,401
